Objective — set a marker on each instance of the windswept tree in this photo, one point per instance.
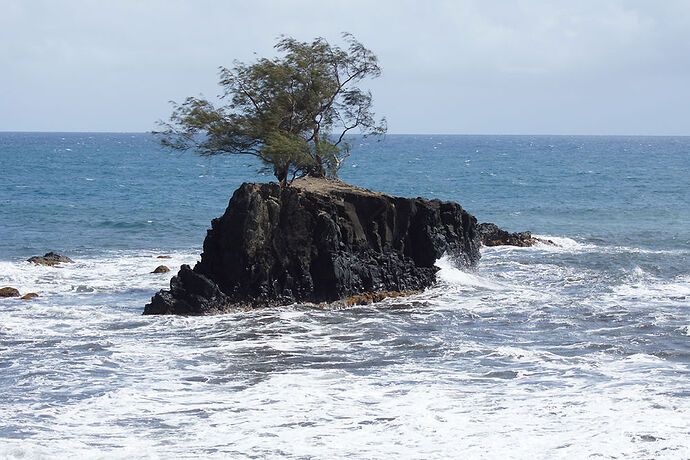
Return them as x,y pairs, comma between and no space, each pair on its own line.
293,111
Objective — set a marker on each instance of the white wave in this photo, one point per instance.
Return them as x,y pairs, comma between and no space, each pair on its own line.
417,412
448,273
522,354
563,243
117,271
644,286
651,251
570,245
369,382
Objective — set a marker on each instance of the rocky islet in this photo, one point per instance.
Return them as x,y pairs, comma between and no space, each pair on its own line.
324,241
318,241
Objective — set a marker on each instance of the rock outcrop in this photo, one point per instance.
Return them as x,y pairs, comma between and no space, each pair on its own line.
9,292
317,241
161,269
50,259
491,235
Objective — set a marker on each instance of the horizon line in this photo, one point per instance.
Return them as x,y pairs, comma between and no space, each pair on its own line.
387,134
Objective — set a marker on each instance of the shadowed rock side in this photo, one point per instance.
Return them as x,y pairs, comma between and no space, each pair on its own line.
317,241
491,235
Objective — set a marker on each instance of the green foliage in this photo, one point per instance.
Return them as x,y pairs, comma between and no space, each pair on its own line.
292,112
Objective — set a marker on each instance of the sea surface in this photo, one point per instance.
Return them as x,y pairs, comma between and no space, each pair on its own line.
579,350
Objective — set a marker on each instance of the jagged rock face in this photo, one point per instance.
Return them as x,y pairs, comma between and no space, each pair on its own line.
317,241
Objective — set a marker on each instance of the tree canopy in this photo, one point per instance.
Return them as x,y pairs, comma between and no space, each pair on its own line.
293,111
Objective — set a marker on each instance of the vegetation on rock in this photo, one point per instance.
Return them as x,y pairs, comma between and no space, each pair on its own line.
292,112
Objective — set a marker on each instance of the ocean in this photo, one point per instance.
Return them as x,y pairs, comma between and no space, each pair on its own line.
570,351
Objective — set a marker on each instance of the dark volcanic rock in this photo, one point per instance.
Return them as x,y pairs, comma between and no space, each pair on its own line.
190,294
491,235
51,259
317,241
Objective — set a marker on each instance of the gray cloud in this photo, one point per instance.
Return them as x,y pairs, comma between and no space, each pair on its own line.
590,67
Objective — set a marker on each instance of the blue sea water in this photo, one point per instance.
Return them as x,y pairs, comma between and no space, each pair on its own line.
94,192
575,350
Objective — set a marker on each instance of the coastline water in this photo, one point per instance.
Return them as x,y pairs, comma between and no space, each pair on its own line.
577,350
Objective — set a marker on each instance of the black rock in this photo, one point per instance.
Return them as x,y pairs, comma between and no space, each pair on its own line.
50,258
190,294
491,235
317,241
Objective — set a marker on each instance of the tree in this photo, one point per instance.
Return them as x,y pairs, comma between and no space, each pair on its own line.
292,111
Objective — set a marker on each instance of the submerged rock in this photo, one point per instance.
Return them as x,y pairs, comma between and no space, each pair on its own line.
50,259
161,269
29,295
9,292
491,235
317,241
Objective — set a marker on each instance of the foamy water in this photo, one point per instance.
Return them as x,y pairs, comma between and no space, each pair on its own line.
527,356
570,351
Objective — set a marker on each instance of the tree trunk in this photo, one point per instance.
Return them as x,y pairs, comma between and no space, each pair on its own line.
281,173
317,169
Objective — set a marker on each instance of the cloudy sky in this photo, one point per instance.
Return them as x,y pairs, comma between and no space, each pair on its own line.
455,67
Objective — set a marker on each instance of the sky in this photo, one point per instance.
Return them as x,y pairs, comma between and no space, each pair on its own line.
449,67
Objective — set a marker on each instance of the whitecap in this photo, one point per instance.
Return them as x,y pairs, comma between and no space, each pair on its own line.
449,274
563,243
